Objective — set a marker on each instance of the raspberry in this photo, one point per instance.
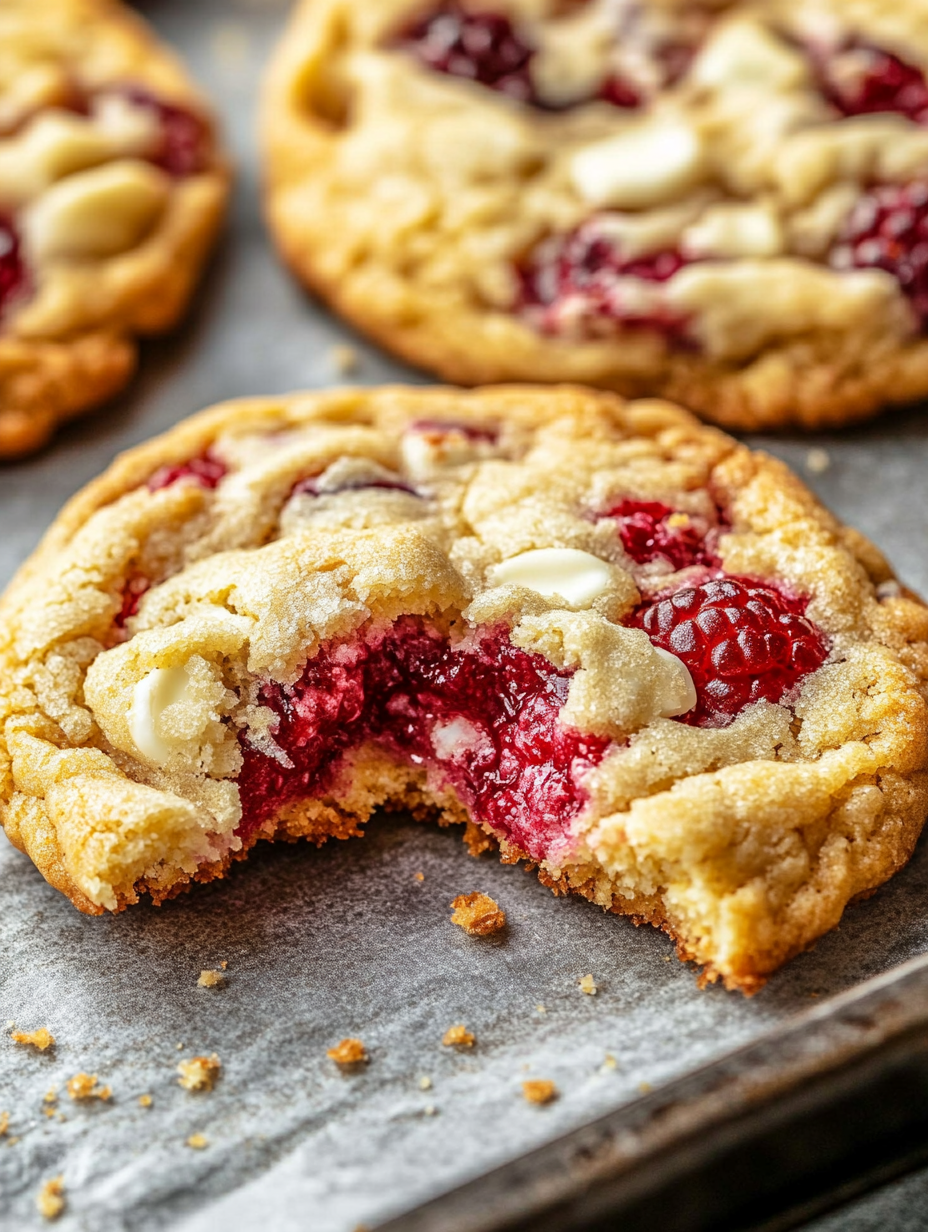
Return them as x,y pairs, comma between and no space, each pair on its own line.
442,427
132,593
888,230
12,267
576,277
483,718
860,79
481,47
669,62
652,531
207,471
184,147
311,486
742,641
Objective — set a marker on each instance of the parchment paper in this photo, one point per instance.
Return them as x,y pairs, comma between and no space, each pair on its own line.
346,941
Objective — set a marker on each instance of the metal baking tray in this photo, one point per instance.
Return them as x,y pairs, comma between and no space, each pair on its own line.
665,1089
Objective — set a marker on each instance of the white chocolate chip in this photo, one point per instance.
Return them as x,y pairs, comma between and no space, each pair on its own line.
735,231
162,687
646,165
425,451
678,693
97,213
743,53
578,577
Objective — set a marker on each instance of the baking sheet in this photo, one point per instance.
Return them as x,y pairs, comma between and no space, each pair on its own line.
347,940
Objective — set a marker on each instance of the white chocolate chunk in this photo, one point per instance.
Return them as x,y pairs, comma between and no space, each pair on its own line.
678,693
97,213
426,451
578,577
744,54
647,164
162,687
735,231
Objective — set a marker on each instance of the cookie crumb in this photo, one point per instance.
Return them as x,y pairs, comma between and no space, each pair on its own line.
85,1086
588,985
668,957
478,914
348,1052
50,1096
644,1087
539,1090
199,1073
429,1110
145,1101
224,964
198,1141
458,1036
817,461
420,876
180,1048
40,1039
609,1062
425,1083
541,1009
5,1122
344,358
50,1198
210,979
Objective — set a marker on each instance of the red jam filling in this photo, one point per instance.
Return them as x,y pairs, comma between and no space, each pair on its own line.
132,594
482,717
207,471
479,46
12,266
311,486
577,279
888,230
742,641
651,530
444,427
860,79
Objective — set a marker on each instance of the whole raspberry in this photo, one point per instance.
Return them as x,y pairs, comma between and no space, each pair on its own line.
888,230
742,641
12,267
579,277
860,79
480,46
651,530
207,471
184,143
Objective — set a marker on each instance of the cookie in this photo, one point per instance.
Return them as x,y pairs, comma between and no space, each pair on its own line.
112,189
610,639
723,204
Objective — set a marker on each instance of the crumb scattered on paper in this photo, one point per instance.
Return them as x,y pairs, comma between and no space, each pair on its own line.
541,1009
609,1062
40,1039
50,1198
425,1083
224,964
588,985
478,914
50,1096
199,1073
344,359
198,1141
817,461
644,1087
4,1123
420,876
85,1086
210,979
145,1101
348,1052
458,1036
539,1090
429,1109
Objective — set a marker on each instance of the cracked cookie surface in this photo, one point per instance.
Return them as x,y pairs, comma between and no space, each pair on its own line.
112,189
724,204
617,643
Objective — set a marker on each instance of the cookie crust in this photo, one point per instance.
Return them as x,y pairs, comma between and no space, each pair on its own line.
406,199
76,142
745,842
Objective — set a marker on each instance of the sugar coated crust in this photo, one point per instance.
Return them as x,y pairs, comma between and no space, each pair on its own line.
223,560
112,189
414,200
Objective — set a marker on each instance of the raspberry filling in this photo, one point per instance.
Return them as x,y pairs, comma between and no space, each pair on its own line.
860,79
582,278
651,530
479,46
184,146
132,594
481,716
444,427
12,266
888,230
742,641
313,486
207,471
